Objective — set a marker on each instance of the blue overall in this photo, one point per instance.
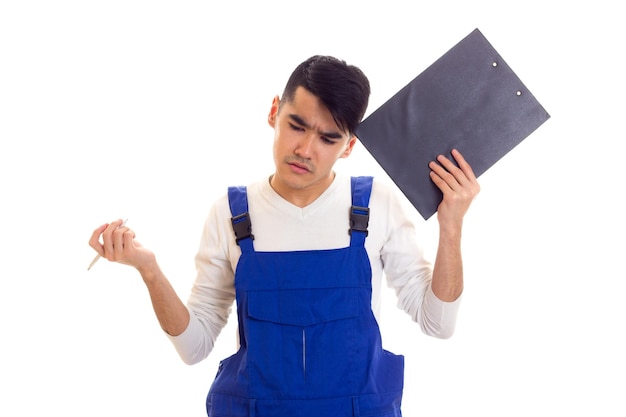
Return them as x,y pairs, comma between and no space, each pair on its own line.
309,343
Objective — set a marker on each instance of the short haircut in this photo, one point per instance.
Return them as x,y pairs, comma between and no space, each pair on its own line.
343,89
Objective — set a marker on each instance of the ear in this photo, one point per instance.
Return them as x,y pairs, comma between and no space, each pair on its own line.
349,146
271,118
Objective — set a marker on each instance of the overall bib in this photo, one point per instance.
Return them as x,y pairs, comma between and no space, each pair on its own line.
309,343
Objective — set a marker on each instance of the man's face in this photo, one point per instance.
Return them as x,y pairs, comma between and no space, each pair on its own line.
307,143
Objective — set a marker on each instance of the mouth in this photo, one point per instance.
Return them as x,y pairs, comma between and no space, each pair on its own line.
298,167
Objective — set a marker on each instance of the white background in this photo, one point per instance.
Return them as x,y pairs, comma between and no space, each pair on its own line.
149,109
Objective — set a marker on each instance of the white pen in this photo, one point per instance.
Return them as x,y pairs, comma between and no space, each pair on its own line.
98,255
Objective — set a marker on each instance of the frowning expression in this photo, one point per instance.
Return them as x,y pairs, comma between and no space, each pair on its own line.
307,143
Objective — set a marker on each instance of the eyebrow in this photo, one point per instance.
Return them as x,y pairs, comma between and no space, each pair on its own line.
300,121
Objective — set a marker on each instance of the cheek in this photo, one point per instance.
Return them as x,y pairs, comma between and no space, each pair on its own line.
329,158
344,152
276,148
280,145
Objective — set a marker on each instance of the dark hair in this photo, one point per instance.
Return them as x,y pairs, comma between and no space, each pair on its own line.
343,88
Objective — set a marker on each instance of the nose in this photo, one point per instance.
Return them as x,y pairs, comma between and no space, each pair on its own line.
304,148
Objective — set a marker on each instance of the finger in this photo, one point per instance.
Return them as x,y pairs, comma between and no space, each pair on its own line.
439,182
442,169
94,241
107,237
472,182
117,223
118,243
461,171
446,162
128,238
463,165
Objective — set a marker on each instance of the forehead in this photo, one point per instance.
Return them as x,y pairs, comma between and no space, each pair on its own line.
308,109
305,100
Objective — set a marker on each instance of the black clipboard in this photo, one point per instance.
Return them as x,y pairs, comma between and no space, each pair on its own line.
469,99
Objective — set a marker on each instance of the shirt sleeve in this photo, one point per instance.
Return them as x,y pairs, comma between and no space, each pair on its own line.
213,291
410,275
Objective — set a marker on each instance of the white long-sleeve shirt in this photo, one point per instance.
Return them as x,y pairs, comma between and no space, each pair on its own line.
278,225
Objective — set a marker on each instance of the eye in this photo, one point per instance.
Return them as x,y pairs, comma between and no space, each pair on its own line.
296,127
327,141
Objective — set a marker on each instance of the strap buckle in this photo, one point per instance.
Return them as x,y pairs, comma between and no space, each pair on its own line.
359,219
242,227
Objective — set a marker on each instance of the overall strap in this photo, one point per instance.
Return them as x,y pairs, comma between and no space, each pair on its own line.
360,212
242,226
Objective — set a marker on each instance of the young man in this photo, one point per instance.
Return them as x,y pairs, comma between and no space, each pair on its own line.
302,252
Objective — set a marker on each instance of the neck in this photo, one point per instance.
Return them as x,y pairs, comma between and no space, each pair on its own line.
300,196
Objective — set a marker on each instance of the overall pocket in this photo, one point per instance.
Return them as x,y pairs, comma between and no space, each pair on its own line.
300,341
